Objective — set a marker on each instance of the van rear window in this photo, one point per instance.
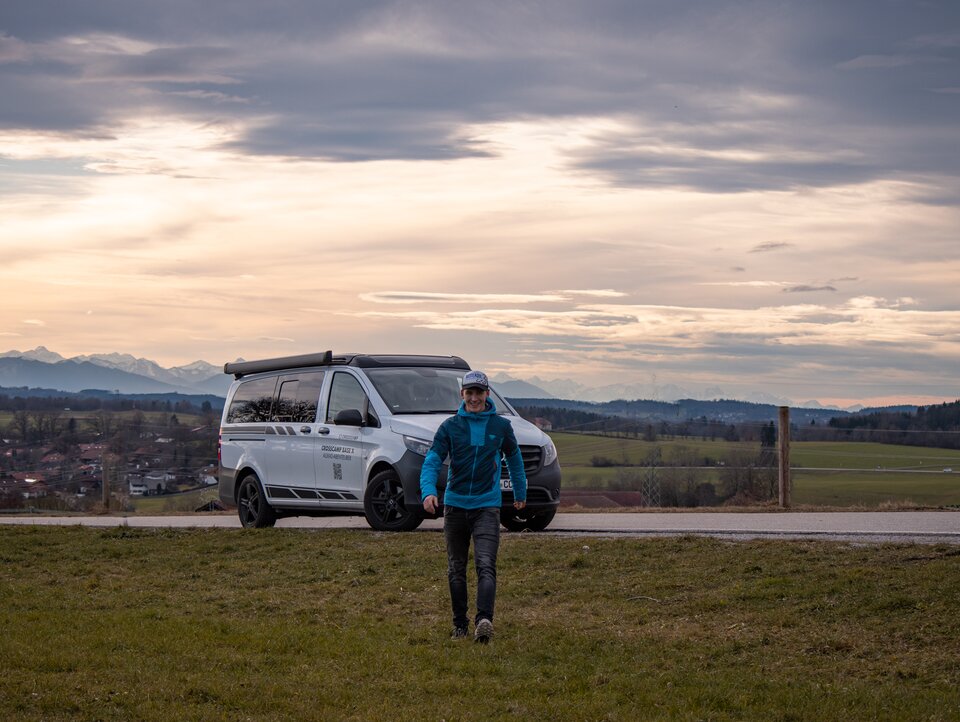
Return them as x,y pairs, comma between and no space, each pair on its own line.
252,401
297,400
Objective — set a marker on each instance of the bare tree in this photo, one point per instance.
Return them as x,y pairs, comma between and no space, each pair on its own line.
47,424
20,424
103,423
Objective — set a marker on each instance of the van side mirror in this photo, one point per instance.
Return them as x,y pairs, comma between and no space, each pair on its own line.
348,417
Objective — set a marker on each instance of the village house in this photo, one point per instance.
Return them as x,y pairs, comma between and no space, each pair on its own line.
31,484
543,424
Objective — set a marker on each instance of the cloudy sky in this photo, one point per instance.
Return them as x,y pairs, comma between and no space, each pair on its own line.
730,196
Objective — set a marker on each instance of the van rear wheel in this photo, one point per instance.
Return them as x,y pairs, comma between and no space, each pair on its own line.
252,506
383,504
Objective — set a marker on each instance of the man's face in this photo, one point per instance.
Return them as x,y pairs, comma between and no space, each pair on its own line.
474,399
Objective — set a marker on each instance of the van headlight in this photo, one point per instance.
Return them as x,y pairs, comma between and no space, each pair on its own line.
549,453
417,446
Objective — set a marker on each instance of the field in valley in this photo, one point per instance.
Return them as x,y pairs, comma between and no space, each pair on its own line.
833,473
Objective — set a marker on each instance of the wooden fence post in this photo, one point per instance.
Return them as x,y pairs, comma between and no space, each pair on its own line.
783,449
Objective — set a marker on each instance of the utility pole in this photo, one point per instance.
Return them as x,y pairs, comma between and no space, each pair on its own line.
783,454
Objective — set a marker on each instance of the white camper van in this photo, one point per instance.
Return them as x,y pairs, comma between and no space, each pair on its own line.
320,434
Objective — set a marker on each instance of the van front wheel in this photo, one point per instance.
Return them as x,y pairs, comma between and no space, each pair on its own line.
252,506
383,504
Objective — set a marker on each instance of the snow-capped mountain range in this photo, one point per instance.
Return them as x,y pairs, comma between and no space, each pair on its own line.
42,368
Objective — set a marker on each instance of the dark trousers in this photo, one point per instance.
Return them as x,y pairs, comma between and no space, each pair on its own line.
483,526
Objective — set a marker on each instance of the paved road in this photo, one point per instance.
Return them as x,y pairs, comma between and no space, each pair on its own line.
927,527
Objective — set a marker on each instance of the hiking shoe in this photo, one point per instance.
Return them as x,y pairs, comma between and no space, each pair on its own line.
459,633
484,631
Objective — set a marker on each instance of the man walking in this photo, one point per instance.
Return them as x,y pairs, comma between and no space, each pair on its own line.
474,440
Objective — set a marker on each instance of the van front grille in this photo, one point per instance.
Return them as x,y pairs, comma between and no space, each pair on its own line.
532,456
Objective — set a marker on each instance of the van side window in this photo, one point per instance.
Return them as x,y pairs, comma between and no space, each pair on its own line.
346,393
252,401
297,400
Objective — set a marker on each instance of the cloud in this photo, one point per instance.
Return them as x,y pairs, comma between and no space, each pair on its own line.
599,293
694,98
485,298
859,320
745,284
432,297
884,61
768,246
805,288
276,339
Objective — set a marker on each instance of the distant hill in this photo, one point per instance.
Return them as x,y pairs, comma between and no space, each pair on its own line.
515,387
728,411
74,376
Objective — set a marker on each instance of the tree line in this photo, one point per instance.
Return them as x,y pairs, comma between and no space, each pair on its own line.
97,403
936,425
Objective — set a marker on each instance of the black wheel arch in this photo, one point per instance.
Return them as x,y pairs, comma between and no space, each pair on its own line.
242,474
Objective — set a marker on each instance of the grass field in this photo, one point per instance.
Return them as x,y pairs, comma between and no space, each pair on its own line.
283,624
874,489
186,502
870,474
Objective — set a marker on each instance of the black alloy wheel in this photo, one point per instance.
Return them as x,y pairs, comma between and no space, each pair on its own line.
383,504
252,506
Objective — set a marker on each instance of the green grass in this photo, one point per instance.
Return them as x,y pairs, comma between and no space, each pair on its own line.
167,503
872,489
588,477
283,624
868,455
579,449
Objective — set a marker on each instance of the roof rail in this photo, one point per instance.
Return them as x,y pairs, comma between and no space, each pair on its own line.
384,360
244,368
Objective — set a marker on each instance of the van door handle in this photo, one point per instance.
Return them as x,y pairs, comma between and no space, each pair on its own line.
304,429
323,430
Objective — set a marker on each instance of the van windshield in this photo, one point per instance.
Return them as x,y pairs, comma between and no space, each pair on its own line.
424,390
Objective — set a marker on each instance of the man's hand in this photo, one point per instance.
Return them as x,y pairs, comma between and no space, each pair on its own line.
430,504
519,505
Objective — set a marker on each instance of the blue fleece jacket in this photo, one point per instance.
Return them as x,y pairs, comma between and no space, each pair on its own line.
474,442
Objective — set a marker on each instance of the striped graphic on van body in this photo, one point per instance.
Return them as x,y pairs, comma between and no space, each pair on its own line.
244,429
293,492
281,430
260,430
